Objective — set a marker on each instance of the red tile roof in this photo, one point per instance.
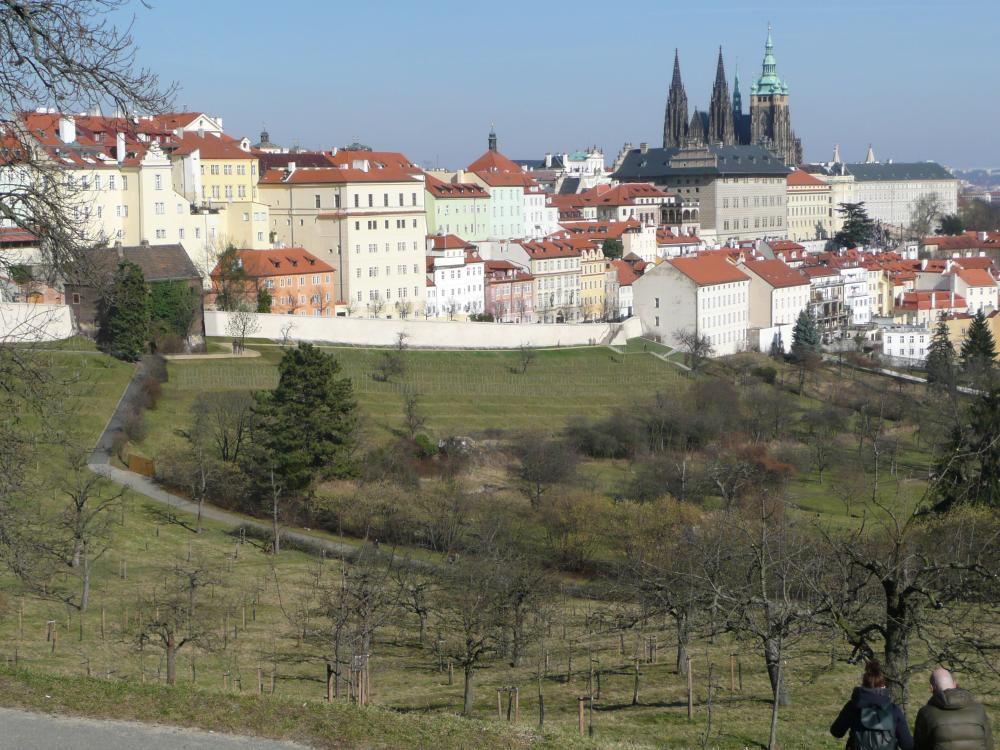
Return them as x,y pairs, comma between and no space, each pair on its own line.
377,160
335,175
976,277
593,229
666,237
966,241
286,261
930,300
440,189
708,270
798,178
776,273
494,161
210,146
626,194
544,249
448,242
625,273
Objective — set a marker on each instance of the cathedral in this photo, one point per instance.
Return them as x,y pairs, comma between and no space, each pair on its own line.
768,123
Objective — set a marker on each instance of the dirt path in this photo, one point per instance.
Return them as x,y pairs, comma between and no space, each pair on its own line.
23,730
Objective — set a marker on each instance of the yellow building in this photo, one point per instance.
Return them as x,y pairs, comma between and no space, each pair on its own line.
810,207
594,270
958,325
216,171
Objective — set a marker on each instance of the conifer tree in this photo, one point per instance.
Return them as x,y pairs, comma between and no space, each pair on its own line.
940,363
805,337
127,311
978,348
858,228
969,465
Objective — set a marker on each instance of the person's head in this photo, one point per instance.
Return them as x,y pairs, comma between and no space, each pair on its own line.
941,680
873,677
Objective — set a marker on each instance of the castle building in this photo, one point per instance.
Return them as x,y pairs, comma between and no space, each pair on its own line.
768,124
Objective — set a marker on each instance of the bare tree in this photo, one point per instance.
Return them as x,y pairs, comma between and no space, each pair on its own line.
414,416
228,416
526,356
242,324
471,614
451,308
376,305
698,348
179,617
924,214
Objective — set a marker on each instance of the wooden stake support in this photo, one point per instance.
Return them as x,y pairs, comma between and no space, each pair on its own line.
690,690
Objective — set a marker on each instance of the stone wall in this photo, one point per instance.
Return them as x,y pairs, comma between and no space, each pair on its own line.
21,322
429,333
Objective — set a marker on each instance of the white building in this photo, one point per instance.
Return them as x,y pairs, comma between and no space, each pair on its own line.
906,343
890,191
456,279
706,295
857,296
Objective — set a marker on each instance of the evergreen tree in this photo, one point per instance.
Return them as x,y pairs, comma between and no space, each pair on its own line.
969,466
305,427
940,364
230,280
978,348
613,248
805,337
858,228
127,311
264,300
951,224
173,306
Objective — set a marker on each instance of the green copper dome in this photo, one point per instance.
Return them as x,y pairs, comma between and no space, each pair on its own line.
769,83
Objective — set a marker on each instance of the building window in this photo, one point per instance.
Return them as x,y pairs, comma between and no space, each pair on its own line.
76,298
317,200
158,181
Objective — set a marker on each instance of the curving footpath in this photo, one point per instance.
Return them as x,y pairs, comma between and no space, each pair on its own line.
100,463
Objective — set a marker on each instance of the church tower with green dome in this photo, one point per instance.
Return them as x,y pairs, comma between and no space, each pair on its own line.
770,121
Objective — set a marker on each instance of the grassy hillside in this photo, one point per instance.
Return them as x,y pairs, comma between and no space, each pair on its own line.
287,634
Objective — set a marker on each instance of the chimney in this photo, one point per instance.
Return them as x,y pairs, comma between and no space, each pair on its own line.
952,305
643,148
923,264
981,236
120,147
67,129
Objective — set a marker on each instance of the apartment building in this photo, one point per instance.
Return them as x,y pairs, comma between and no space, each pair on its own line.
810,207
461,208
555,267
367,220
705,295
298,282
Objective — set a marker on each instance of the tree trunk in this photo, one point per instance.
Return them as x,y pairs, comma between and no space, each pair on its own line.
772,742
683,638
423,626
85,592
897,654
171,644
517,632
274,521
467,694
772,656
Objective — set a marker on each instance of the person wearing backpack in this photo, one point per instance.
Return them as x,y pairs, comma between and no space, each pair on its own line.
952,718
872,719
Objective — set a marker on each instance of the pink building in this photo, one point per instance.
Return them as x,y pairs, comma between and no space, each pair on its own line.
509,292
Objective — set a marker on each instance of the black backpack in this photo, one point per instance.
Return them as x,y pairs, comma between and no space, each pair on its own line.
878,729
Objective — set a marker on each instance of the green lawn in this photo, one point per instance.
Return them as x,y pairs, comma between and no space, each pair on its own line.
462,392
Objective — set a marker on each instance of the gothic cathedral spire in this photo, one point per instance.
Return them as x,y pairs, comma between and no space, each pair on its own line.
720,110
675,119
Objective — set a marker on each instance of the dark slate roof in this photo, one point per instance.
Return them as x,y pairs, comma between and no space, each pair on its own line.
923,170
530,163
570,186
158,262
730,160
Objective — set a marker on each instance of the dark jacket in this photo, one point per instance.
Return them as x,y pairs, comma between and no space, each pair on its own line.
953,720
862,697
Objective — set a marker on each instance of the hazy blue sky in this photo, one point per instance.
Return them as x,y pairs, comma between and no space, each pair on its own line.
919,80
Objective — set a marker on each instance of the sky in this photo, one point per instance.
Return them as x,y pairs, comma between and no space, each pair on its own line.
918,80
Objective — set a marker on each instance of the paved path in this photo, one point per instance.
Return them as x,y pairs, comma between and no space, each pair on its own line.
23,730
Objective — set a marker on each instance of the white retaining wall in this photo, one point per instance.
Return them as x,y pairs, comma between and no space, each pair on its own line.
21,322
429,333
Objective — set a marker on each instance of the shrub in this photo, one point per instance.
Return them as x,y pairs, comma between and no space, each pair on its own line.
426,447
767,373
169,343
616,436
151,391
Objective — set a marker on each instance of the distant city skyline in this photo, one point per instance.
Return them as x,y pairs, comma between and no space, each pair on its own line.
428,80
